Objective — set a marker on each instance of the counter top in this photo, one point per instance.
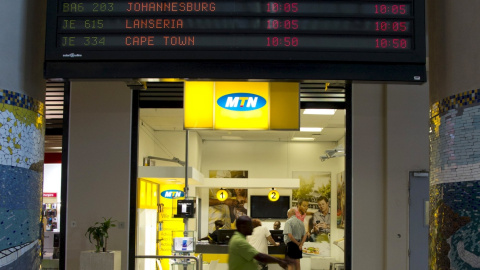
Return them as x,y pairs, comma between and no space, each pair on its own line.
223,249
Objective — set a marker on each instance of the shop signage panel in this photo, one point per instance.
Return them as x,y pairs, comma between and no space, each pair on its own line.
235,108
234,33
172,194
241,105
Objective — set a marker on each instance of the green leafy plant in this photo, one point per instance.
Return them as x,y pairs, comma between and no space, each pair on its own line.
304,191
99,233
325,190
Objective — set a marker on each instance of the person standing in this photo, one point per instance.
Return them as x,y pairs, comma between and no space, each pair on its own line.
294,235
321,219
301,209
259,238
242,255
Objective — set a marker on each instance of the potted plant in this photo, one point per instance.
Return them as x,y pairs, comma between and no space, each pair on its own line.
99,233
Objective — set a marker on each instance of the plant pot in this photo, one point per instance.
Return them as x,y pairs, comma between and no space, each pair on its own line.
110,260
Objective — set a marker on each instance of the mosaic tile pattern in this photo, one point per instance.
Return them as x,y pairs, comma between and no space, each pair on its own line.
22,129
454,226
458,101
455,142
455,182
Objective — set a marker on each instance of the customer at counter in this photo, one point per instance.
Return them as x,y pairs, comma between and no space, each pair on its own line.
213,237
242,255
259,238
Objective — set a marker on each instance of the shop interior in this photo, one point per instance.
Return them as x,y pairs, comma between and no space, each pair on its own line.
51,211
247,165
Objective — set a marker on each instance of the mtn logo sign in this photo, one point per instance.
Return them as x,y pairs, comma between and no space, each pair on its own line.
241,102
172,194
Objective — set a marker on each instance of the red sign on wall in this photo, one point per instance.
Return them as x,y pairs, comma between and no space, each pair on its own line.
50,194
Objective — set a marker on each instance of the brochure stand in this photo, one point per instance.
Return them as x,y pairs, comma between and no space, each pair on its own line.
183,246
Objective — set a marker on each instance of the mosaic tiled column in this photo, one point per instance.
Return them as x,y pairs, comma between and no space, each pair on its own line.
22,129
455,182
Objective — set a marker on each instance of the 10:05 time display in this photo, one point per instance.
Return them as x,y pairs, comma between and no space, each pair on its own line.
287,24
391,9
282,7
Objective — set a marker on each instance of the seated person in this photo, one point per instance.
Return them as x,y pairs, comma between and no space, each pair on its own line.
213,237
276,225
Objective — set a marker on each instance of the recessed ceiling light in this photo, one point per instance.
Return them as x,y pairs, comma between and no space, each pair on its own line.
302,139
152,79
320,111
311,129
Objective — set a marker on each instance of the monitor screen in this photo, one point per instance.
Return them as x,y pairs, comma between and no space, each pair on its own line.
224,236
277,236
261,207
185,209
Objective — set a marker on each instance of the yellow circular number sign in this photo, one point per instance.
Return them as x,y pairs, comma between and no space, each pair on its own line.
273,195
222,195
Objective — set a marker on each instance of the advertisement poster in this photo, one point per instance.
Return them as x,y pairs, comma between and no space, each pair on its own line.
231,208
341,197
315,188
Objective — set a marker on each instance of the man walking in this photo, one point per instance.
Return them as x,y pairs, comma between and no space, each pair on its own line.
242,255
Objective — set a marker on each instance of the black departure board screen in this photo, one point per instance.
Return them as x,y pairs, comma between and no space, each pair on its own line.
248,31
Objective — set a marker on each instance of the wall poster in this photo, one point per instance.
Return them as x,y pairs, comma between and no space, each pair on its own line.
341,200
315,188
230,209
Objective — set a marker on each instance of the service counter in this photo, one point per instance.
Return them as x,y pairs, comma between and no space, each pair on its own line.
220,252
223,249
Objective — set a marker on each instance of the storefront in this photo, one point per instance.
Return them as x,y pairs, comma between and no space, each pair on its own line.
247,164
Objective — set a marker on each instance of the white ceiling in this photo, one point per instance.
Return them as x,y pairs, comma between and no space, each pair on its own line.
172,119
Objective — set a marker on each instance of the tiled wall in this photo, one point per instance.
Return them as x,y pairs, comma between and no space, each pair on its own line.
455,182
22,129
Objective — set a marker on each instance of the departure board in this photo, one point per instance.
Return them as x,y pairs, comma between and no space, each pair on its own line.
262,31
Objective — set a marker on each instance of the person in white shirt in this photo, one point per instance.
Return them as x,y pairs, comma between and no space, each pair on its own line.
260,238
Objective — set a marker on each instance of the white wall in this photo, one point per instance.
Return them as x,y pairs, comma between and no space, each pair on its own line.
22,43
146,142
99,165
169,144
268,159
52,179
390,138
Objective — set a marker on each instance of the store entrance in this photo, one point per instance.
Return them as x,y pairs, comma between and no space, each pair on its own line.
302,166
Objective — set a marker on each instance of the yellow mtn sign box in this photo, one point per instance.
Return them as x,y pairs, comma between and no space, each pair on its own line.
241,105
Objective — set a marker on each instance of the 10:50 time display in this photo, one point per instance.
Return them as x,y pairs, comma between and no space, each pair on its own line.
395,43
282,41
